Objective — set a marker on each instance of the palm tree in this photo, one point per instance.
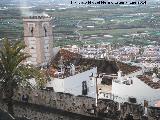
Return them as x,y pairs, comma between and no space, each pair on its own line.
13,73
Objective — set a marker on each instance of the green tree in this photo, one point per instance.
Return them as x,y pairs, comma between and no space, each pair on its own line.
13,73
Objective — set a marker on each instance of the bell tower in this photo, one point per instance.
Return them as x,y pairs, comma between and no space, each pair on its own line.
39,39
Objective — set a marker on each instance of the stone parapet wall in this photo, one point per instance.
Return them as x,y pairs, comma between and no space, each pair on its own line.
3,106
153,113
38,112
80,105
135,109
64,101
33,112
77,104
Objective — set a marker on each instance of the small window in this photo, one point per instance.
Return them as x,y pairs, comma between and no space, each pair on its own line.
31,31
45,31
84,88
32,47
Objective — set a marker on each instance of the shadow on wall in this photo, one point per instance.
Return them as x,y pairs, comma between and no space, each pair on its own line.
5,116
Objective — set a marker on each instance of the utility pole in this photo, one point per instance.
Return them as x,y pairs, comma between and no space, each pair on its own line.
96,86
96,90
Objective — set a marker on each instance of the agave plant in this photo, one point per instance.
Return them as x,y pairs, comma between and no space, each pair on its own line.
13,72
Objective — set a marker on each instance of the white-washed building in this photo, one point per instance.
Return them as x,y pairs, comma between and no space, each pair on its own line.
134,89
76,83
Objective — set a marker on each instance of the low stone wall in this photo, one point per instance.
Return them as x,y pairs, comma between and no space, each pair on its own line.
3,106
135,109
38,112
153,113
108,109
32,114
80,105
66,102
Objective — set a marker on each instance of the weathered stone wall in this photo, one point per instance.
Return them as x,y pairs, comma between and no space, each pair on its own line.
3,106
135,109
62,101
29,113
38,112
153,113
79,105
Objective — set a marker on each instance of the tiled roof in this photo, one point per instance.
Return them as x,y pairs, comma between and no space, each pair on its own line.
65,55
149,82
127,69
103,66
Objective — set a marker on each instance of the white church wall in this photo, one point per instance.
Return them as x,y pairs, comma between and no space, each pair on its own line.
73,84
57,84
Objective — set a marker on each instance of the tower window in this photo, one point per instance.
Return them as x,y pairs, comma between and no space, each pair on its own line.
45,31
32,31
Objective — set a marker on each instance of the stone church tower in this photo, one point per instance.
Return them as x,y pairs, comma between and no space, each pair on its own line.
39,39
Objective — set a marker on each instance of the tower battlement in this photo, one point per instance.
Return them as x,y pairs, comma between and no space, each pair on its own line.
37,18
